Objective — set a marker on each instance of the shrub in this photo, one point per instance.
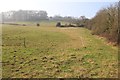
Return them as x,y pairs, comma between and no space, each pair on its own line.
38,24
58,24
105,23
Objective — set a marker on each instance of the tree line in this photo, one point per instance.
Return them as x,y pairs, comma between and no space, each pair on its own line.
24,15
34,15
105,23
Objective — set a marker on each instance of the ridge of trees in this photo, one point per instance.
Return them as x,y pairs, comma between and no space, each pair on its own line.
35,15
105,23
24,15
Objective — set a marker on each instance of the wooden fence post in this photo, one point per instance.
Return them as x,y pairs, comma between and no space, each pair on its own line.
24,43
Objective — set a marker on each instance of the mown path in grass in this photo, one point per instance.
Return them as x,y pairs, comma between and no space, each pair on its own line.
56,52
76,40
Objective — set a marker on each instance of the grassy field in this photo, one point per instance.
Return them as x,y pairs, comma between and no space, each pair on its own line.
52,52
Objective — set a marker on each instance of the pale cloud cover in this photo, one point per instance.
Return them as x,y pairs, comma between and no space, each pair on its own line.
62,7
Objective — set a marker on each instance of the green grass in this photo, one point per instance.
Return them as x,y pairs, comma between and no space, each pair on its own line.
56,52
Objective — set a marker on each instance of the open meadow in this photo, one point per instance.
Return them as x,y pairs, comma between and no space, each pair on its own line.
49,52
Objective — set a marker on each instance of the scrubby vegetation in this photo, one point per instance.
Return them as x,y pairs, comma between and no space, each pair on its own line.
105,23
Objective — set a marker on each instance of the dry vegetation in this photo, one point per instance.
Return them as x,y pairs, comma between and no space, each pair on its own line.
105,23
43,50
56,52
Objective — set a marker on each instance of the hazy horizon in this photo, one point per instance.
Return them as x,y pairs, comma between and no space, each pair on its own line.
62,8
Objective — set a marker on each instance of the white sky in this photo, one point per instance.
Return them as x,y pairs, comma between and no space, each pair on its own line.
6,5
48,5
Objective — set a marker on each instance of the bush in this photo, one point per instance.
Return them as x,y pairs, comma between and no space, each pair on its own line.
105,23
58,24
38,24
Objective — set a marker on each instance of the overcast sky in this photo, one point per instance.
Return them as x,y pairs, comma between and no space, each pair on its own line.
74,8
